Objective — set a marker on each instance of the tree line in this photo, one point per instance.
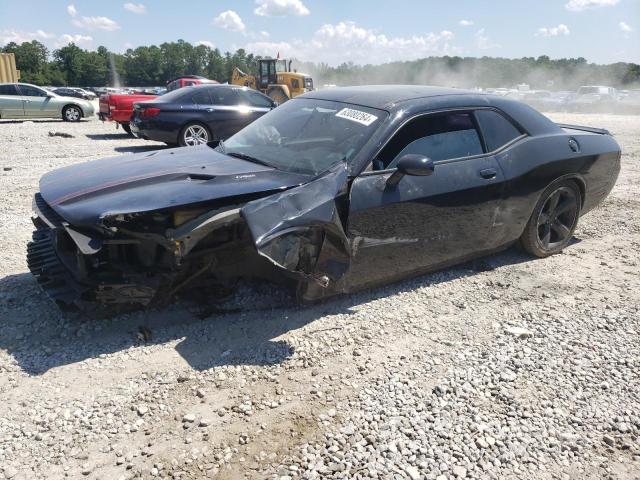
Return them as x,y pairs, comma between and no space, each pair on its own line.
143,66
156,64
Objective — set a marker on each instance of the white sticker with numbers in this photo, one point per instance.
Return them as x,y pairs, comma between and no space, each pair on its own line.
357,116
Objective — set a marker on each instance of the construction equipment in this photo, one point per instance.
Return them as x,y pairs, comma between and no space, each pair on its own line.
274,79
8,71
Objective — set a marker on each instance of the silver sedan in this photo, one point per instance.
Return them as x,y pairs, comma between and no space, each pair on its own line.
22,100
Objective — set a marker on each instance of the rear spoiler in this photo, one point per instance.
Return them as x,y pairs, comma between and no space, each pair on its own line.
601,131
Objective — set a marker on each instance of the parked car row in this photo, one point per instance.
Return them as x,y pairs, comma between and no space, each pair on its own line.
117,105
185,116
75,92
587,99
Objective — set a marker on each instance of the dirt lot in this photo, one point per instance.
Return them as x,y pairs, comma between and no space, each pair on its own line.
423,379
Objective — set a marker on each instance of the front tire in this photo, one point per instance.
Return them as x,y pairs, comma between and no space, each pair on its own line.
71,113
194,134
553,220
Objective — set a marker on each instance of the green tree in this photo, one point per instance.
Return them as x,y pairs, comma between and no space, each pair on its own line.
31,60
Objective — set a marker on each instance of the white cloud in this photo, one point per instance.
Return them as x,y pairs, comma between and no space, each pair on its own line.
18,36
96,23
280,8
580,5
346,41
558,31
78,39
71,10
465,23
229,20
483,42
138,8
625,27
257,36
206,43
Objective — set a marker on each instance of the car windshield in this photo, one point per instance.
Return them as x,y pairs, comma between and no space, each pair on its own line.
307,136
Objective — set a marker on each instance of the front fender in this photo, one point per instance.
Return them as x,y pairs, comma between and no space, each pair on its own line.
300,230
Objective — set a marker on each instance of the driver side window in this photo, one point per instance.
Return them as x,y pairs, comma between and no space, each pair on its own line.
439,137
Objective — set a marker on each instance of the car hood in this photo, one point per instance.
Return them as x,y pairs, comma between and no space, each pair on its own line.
83,194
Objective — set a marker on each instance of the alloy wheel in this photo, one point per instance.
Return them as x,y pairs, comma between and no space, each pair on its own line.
557,218
195,135
72,114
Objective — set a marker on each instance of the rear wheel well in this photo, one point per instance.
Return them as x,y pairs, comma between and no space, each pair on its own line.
581,186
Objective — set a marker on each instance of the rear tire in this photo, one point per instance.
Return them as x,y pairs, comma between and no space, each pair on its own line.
193,134
71,113
553,221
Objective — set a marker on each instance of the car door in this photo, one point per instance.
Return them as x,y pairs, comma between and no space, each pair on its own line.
424,222
257,104
37,103
226,115
11,102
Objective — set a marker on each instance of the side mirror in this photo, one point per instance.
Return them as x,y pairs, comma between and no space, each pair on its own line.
411,164
274,105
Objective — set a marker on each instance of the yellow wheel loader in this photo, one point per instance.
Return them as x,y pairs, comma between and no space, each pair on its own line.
274,79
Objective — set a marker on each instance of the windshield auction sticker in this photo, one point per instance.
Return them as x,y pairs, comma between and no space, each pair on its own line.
357,116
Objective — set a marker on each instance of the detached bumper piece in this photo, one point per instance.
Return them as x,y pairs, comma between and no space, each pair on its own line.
52,276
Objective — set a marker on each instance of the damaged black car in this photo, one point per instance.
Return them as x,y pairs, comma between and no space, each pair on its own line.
332,192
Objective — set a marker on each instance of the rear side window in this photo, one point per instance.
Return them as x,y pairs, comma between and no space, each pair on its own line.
224,96
496,130
201,98
439,137
8,90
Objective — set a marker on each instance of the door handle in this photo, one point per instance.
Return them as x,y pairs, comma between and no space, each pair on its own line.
488,173
210,110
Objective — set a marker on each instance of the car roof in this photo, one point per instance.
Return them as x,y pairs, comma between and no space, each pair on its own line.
384,96
404,101
21,83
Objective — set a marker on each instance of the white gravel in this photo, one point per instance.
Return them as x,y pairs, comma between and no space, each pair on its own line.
506,367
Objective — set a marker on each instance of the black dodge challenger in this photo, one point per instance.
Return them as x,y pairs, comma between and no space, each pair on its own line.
334,191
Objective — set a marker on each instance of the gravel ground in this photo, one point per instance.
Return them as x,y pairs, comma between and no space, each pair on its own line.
505,367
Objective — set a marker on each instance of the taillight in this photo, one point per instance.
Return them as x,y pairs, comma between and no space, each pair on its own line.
147,112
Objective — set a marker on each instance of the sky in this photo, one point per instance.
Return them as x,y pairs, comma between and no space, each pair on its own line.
337,31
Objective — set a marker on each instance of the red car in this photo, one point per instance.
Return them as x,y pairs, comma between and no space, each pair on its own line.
118,107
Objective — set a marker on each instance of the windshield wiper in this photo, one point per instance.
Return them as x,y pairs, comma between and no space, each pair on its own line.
249,158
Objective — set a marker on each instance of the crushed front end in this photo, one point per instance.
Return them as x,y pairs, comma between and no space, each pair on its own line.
133,260
138,259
